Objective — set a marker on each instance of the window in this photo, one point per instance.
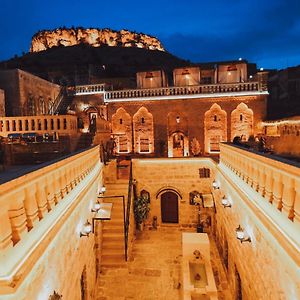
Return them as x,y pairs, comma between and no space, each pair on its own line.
143,120
215,118
121,121
204,173
241,117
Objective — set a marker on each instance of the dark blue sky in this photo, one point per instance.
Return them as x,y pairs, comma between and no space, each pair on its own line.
262,31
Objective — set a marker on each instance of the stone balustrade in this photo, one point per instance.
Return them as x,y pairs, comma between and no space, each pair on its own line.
184,90
62,124
276,181
90,89
32,204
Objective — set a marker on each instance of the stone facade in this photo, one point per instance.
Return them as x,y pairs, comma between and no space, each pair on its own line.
189,118
26,94
180,176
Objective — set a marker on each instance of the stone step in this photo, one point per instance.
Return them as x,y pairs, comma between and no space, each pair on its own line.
112,237
112,252
114,245
119,229
115,222
113,262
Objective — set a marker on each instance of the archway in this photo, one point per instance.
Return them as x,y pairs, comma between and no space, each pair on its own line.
215,128
122,130
143,131
169,207
241,122
178,145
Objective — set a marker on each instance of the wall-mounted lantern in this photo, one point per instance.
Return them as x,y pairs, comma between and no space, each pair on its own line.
216,185
225,202
86,229
242,235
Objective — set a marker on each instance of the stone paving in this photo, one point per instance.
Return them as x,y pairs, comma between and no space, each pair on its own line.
155,270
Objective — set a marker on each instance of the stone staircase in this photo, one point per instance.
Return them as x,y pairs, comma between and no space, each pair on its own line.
113,248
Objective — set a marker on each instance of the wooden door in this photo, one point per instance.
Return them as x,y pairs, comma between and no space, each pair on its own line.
169,207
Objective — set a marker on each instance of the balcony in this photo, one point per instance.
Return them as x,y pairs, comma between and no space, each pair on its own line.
196,91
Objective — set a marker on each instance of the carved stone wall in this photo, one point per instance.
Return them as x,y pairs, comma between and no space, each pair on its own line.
215,124
241,122
143,131
122,130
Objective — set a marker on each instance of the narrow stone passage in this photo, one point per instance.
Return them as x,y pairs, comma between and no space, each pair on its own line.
155,271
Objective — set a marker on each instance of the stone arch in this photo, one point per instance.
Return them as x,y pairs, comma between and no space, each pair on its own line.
215,128
241,122
122,130
143,131
178,141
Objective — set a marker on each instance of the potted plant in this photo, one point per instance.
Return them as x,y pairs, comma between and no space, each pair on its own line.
141,210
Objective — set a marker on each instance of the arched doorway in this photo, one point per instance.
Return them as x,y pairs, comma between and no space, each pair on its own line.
169,207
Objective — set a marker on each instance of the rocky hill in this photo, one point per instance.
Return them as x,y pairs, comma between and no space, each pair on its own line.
82,64
47,39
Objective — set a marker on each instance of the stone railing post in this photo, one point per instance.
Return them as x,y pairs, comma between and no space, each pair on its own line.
30,205
277,190
297,202
288,197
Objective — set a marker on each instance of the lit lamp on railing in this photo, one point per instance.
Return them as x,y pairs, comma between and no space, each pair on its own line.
215,185
242,235
96,207
102,190
86,229
225,202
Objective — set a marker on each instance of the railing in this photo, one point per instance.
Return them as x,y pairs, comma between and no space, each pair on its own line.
90,89
32,204
62,124
58,100
128,211
186,90
276,181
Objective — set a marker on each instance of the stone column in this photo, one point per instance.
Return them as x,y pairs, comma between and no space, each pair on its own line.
297,202
288,197
31,208
41,199
277,190
269,186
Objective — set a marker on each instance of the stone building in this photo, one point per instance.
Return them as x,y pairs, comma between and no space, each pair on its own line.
59,239
26,94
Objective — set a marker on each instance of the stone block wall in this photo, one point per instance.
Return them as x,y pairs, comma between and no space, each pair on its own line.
27,94
262,268
181,175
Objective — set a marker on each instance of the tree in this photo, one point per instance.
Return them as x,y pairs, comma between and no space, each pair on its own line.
195,147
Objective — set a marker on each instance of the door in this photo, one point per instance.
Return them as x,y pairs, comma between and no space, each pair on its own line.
169,207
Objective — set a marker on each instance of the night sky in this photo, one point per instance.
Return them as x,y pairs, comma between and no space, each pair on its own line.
265,32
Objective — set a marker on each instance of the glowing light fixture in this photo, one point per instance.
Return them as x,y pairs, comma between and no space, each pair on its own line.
149,75
242,235
102,190
261,69
86,229
225,202
96,207
177,119
250,76
185,72
215,185
240,59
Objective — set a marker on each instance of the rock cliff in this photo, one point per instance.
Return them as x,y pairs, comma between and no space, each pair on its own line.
46,39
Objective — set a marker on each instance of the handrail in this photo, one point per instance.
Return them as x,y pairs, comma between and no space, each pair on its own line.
238,87
57,101
127,215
